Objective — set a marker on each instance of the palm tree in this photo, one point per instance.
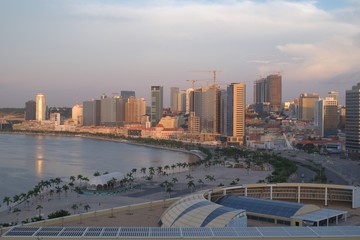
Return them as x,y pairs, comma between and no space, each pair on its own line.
143,170
72,178
79,177
188,176
16,198
74,207
201,182
173,166
7,200
65,187
39,207
151,171
17,211
174,180
134,170
159,170
191,185
58,190
87,207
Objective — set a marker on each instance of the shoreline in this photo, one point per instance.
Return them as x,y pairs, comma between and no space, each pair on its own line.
201,157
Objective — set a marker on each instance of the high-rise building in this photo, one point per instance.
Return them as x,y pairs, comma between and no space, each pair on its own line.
91,113
112,111
40,107
135,108
236,108
352,122
194,123
30,110
335,95
126,94
77,114
157,96
209,116
274,91
174,91
307,106
269,90
326,117
182,101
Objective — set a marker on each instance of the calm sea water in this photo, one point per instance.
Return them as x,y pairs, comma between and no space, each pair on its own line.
27,159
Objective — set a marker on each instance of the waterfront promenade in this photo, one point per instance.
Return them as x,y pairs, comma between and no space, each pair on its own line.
149,191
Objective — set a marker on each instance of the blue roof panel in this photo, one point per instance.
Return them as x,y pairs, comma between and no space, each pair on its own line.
262,206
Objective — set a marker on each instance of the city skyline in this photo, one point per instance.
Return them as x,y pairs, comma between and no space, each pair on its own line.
81,49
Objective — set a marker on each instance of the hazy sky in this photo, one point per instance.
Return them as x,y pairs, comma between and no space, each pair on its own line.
76,50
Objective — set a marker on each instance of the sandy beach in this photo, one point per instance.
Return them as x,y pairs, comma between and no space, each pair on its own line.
147,192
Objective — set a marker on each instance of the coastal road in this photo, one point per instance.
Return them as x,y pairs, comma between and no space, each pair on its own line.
337,170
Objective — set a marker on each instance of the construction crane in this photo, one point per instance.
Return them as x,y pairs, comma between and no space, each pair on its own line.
197,80
215,97
213,72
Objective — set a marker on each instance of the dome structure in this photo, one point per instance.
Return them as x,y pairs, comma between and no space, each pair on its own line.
196,211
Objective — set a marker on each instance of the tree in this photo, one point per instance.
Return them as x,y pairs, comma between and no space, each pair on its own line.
201,182
17,211
143,170
134,170
74,207
72,178
16,198
39,207
188,176
80,177
65,187
96,174
87,207
58,190
57,214
191,185
7,200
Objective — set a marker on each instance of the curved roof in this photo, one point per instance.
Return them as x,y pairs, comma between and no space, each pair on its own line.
268,207
196,211
103,179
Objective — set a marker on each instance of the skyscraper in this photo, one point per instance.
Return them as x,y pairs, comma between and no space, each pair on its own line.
30,110
135,108
326,117
112,111
274,91
209,116
236,107
352,122
91,113
269,90
40,107
174,91
156,104
307,106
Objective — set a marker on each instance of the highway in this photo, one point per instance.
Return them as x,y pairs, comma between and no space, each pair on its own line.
337,170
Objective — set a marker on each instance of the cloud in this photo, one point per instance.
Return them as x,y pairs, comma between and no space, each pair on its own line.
118,44
324,59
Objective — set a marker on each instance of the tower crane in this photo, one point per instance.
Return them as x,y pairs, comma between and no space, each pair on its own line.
197,80
215,97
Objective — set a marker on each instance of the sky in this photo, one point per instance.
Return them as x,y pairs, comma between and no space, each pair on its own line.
74,50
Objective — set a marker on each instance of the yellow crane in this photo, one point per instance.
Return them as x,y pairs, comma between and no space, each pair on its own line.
197,80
